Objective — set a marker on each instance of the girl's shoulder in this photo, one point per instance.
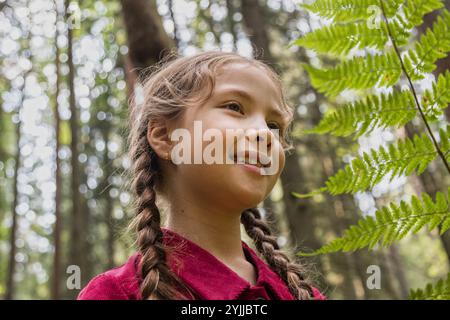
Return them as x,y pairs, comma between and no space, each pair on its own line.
318,295
120,283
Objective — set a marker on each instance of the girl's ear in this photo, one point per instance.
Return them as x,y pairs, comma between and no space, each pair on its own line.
158,136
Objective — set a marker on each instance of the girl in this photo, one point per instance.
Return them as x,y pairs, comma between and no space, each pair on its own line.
198,253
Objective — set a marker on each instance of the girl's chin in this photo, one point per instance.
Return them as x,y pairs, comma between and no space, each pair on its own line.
245,187
247,197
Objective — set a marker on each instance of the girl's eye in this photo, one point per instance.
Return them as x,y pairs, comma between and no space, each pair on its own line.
233,106
274,125
237,107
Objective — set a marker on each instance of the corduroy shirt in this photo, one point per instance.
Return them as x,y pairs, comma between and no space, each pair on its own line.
208,277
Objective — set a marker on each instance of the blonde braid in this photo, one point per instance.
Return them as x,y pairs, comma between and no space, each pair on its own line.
291,273
158,281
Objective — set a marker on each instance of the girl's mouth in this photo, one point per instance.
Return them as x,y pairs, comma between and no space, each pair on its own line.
252,161
252,168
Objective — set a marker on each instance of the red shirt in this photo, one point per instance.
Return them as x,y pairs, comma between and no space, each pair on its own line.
209,278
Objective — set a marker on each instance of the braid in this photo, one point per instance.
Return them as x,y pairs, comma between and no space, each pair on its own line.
291,273
158,281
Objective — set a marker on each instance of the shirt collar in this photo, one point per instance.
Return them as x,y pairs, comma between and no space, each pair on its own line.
214,280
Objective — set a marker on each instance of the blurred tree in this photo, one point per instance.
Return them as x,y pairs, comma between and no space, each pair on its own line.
148,42
56,274
17,163
13,231
78,235
171,6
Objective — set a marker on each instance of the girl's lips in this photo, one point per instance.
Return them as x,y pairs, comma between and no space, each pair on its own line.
254,156
251,167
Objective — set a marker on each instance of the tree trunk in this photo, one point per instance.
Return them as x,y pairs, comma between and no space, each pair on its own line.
205,15
13,233
77,254
148,42
398,272
231,23
255,27
175,28
4,156
343,261
57,229
109,202
9,295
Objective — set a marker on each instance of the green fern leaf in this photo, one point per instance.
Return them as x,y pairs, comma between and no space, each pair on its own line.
440,291
339,39
391,223
384,70
357,73
436,100
404,157
415,10
353,28
387,110
361,117
433,45
351,10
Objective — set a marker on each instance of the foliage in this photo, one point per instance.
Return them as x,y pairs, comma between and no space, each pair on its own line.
385,110
403,158
393,223
388,56
440,291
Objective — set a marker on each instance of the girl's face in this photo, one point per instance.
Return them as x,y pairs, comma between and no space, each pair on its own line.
234,186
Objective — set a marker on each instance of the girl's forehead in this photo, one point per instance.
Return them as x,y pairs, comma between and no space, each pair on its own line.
249,78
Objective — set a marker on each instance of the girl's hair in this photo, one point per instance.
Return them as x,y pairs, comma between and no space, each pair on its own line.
173,85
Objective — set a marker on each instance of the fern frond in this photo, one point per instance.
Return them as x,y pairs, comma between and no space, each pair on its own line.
392,223
339,39
436,100
361,117
350,10
357,73
433,45
387,110
440,291
384,70
415,10
444,136
404,157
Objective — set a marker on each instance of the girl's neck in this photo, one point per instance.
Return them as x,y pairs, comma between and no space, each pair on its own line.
216,231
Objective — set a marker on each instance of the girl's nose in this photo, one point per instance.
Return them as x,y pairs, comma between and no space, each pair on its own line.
261,135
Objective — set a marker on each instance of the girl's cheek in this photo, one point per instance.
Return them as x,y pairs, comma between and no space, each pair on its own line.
282,163
281,157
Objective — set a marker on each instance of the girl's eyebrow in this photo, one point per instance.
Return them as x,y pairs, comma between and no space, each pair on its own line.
245,95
